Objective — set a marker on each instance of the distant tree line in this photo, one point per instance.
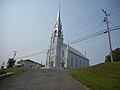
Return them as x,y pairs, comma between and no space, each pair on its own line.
115,54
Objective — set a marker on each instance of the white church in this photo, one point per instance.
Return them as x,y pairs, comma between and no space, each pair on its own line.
61,55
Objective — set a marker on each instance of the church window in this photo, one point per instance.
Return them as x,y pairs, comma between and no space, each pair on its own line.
55,33
59,33
80,63
62,53
52,62
71,61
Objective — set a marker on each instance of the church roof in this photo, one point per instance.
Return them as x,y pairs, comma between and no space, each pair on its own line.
73,50
76,52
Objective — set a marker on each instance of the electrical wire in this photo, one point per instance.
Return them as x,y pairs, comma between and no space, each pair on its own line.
40,42
91,35
74,24
34,54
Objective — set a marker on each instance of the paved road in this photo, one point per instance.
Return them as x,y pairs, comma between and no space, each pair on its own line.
41,79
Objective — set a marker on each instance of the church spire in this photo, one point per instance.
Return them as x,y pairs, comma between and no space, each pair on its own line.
58,25
58,15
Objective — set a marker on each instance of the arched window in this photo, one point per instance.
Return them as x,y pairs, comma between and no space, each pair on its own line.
55,33
76,62
52,62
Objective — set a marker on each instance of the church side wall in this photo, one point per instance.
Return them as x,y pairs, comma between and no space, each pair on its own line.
76,61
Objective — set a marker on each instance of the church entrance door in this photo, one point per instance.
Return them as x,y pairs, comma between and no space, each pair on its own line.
52,62
63,63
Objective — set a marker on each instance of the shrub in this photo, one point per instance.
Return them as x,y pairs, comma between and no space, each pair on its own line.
2,72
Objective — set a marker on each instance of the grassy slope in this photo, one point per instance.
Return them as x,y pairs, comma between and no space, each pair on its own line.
14,70
99,77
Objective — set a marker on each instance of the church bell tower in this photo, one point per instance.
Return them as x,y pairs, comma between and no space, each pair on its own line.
53,56
58,26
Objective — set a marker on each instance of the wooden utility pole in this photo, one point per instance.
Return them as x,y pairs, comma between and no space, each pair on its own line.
108,31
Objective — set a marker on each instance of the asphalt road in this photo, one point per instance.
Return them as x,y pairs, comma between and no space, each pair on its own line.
42,79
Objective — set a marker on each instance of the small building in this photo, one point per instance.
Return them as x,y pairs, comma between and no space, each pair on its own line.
29,64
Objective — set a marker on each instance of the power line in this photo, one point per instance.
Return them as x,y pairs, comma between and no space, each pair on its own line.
82,24
34,54
92,35
81,20
41,47
86,37
115,29
112,24
111,6
79,26
40,42
115,11
82,31
79,29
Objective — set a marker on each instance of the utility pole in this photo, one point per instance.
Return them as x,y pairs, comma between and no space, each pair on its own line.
109,38
14,54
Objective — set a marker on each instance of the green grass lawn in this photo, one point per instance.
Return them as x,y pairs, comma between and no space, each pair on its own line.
99,77
14,70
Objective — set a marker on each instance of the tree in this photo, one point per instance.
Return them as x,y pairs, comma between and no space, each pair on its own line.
10,63
115,54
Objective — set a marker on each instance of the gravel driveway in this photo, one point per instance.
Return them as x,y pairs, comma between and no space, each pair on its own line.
42,79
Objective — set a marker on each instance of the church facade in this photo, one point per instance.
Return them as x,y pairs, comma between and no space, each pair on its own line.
61,55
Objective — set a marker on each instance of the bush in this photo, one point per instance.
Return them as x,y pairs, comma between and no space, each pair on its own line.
2,72
115,54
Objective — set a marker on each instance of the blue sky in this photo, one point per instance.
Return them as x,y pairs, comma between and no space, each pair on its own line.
26,26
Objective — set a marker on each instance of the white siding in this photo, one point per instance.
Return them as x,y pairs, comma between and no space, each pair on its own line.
78,61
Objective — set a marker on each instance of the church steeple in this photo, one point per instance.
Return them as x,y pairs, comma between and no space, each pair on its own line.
58,15
58,26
